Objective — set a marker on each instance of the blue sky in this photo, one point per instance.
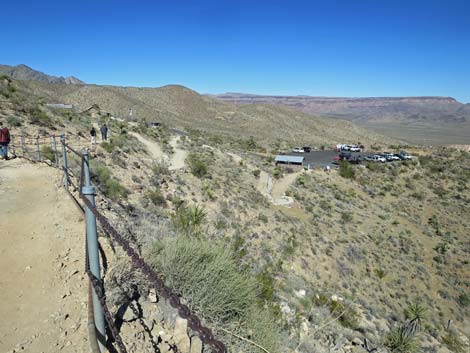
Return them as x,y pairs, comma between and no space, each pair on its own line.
328,48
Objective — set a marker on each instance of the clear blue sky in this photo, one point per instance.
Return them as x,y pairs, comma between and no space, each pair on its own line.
330,48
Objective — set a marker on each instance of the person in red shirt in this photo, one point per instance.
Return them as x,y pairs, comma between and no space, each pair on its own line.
4,141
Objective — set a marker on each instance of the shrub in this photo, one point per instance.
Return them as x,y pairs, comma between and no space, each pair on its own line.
156,197
400,340
453,342
39,117
277,173
48,153
256,173
349,317
197,165
207,276
109,187
346,217
189,220
464,299
14,121
346,170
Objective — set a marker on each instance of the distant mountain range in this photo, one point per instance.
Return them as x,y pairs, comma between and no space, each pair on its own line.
366,110
23,72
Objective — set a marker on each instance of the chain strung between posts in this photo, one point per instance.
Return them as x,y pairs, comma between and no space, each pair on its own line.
204,333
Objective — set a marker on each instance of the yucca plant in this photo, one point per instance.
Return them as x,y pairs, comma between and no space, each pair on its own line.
414,315
401,340
189,220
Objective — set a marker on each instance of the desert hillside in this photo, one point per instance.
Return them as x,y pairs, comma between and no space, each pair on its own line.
364,258
180,107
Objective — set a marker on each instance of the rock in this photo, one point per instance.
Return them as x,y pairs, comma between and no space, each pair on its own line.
196,345
356,341
153,296
181,337
300,293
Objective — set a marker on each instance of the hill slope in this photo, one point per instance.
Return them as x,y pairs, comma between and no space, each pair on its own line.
23,72
180,107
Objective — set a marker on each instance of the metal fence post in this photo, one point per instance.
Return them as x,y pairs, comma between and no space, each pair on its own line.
56,155
93,255
64,162
37,148
22,145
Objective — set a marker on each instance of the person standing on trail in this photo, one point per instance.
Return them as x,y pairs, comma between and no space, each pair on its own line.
93,136
4,141
104,132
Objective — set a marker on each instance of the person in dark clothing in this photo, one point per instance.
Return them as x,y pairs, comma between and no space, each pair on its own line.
93,136
104,132
4,141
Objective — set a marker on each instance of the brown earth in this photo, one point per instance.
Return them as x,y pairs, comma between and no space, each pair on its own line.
42,281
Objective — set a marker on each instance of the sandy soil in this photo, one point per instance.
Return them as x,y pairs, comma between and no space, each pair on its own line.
153,147
177,160
42,282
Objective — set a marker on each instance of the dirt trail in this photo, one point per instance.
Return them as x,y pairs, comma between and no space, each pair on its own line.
153,147
42,282
282,185
177,160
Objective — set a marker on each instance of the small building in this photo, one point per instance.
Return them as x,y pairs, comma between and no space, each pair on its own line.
59,105
94,111
290,160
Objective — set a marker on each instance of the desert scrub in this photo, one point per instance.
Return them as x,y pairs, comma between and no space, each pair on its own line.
197,165
346,170
188,221
401,340
48,153
39,117
452,340
109,186
13,121
207,276
156,197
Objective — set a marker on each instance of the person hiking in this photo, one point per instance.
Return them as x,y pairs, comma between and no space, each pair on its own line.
4,141
104,132
93,136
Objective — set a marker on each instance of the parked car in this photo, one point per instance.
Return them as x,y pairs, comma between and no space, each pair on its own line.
354,148
298,150
404,155
379,158
307,149
390,157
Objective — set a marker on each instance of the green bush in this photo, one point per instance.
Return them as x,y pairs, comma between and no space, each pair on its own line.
346,170
464,299
39,117
277,173
48,153
109,186
197,165
14,121
156,197
256,173
189,220
207,276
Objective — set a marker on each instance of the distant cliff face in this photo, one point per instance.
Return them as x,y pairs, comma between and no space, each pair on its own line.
23,72
377,109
